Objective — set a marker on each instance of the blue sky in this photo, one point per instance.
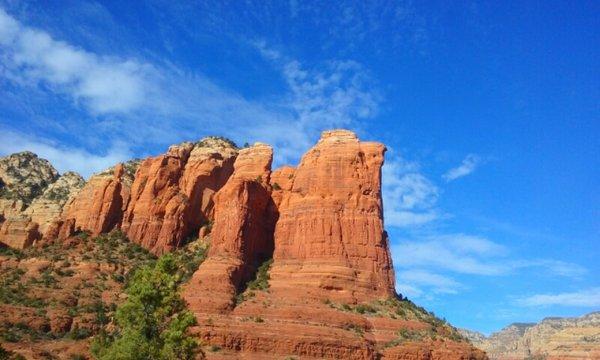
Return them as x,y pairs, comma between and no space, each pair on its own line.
490,111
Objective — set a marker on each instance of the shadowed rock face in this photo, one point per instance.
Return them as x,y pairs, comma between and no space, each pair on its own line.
171,196
329,239
242,235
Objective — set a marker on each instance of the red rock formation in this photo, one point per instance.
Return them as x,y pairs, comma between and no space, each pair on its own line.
99,206
329,239
19,232
242,235
171,196
329,245
281,182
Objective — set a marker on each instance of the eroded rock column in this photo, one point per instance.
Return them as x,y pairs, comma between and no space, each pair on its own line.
242,235
329,238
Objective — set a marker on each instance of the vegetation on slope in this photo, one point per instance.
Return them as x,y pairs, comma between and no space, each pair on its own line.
152,323
72,290
404,309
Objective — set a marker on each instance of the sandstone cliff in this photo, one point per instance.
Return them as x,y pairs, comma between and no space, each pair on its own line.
329,290
171,196
552,338
100,204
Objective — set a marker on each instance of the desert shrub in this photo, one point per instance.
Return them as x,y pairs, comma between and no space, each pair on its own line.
78,333
152,323
261,282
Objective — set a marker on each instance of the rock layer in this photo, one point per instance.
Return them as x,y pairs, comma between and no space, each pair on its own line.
242,235
329,239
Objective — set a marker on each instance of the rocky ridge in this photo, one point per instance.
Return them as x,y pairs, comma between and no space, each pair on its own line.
298,262
551,339
32,197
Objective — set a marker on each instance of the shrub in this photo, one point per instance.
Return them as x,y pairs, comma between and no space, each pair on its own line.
261,282
276,186
153,322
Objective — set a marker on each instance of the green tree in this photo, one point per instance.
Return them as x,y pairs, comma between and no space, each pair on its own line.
153,321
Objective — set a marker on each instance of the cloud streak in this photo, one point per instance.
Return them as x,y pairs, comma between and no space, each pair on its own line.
103,84
468,165
583,298
462,254
474,255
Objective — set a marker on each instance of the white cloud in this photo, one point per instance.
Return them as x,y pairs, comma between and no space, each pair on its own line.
468,165
104,84
61,157
584,298
408,290
446,254
409,198
438,284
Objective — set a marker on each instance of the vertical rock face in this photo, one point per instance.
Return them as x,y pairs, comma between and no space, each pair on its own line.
242,235
171,196
329,239
99,206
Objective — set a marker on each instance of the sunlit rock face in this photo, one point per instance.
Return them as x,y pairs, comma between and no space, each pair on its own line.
329,238
171,196
100,204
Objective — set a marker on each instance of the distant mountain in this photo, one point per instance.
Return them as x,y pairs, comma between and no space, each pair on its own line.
551,338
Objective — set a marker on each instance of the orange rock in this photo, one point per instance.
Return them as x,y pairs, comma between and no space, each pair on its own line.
99,206
433,350
242,235
171,196
281,182
329,238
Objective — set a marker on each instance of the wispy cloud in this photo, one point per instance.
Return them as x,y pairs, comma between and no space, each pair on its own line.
437,284
63,158
465,255
409,197
584,298
104,84
457,253
139,102
468,165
